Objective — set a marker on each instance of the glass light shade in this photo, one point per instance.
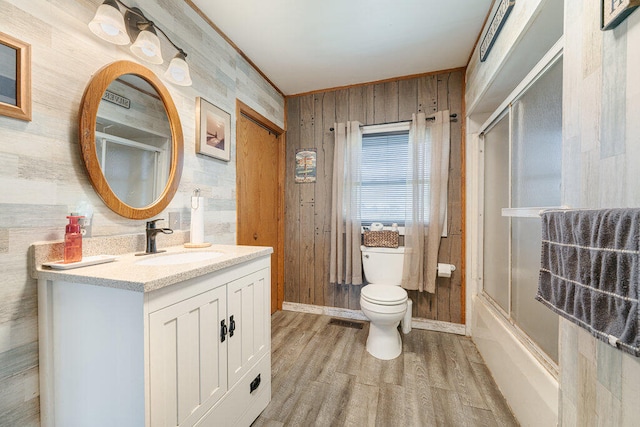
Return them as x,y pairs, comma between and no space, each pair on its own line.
147,47
178,71
108,24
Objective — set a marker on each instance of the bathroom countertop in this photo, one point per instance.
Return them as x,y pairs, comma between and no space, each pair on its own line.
124,273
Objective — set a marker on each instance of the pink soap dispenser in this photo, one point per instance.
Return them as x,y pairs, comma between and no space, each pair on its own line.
73,240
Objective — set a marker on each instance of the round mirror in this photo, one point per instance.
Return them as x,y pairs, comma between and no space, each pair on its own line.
131,140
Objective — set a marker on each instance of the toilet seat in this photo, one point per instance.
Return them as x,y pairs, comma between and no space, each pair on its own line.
384,294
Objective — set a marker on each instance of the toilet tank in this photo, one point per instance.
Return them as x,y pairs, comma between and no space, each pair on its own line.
383,265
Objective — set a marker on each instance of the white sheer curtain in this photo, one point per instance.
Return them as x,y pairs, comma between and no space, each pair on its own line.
428,176
345,257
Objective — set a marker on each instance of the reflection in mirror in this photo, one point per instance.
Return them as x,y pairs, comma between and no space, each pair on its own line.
8,75
133,141
15,78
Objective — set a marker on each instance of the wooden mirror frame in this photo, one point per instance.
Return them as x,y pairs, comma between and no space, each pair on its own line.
88,115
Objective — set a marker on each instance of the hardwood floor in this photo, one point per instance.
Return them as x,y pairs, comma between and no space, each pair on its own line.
323,376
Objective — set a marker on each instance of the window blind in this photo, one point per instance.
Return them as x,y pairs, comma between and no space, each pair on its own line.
384,177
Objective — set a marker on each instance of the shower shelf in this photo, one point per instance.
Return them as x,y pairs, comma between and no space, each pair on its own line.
529,212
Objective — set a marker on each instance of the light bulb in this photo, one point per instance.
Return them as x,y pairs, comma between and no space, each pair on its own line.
109,29
108,24
147,46
178,71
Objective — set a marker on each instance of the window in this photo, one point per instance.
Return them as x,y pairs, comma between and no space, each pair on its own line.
384,176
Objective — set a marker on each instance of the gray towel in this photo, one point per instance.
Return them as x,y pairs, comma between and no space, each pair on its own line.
590,272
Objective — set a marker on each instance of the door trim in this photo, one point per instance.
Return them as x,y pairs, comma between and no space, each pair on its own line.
244,109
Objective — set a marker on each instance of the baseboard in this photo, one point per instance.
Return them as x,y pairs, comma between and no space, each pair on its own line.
345,313
438,326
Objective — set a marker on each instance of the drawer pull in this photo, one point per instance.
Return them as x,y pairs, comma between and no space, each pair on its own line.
254,384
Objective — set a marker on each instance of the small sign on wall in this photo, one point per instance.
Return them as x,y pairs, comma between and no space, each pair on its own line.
305,165
616,11
499,18
116,99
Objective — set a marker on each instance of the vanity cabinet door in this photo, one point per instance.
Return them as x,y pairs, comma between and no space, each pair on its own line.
248,303
187,360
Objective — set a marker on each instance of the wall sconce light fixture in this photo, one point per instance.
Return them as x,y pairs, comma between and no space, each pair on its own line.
111,25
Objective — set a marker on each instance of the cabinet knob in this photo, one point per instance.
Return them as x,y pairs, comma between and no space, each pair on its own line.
255,236
223,331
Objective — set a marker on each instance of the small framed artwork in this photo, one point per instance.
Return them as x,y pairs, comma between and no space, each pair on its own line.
616,11
15,78
305,165
213,127
497,22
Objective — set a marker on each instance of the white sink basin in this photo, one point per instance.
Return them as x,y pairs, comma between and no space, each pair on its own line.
180,258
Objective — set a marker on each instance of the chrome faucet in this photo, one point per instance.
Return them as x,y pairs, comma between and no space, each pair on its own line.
151,236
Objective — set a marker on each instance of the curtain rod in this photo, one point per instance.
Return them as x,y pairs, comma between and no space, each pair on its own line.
453,116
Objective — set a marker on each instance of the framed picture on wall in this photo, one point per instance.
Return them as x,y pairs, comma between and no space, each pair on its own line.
213,127
15,78
305,165
616,11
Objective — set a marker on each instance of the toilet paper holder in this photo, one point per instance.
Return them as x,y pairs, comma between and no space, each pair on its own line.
445,270
453,267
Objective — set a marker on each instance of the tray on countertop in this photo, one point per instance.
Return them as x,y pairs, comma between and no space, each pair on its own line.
89,260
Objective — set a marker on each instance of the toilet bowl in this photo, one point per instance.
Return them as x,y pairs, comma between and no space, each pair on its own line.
383,301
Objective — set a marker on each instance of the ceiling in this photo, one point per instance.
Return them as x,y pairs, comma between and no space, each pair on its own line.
307,45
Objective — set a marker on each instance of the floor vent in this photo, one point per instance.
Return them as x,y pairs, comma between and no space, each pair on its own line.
346,323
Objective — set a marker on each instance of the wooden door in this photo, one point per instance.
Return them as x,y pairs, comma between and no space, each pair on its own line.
260,176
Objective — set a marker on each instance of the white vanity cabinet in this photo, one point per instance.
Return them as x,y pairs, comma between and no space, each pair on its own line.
192,353
201,346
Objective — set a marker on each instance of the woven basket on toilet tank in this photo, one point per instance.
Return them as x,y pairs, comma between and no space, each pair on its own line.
381,239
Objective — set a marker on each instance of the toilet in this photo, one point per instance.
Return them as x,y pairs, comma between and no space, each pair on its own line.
383,301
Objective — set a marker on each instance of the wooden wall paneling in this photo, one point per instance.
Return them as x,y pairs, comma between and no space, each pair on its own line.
455,298
379,100
424,306
456,195
356,104
356,112
427,95
292,206
307,207
443,286
369,104
323,194
457,152
320,205
35,200
423,302
442,93
342,116
391,101
407,99
307,252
